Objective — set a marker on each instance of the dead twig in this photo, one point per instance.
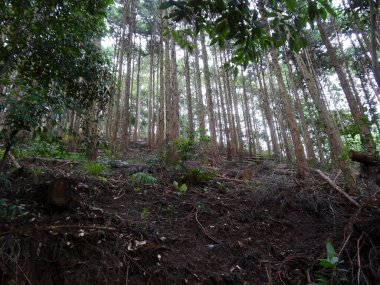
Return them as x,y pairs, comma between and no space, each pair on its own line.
231,179
55,228
359,261
19,267
334,186
204,230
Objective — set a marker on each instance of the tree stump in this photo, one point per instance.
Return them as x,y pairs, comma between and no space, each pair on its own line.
60,193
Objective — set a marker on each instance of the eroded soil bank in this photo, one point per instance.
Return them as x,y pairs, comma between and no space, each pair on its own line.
253,223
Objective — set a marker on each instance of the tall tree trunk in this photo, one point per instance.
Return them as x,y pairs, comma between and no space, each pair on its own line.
360,119
210,103
334,139
375,64
249,134
91,133
190,116
174,129
222,102
119,77
161,113
231,119
125,126
267,112
151,90
136,134
305,132
168,94
299,152
200,106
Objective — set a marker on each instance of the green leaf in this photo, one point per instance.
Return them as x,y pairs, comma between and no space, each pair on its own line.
326,263
330,250
182,188
291,4
175,184
166,5
312,11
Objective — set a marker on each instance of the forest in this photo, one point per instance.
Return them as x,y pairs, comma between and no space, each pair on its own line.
189,142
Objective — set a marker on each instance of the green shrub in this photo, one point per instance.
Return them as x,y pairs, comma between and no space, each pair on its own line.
94,168
143,178
198,176
10,210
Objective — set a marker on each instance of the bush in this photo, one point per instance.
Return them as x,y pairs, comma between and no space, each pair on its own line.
143,178
95,168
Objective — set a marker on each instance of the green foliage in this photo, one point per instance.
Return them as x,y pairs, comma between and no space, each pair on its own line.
10,210
182,189
145,213
198,175
4,182
330,273
40,148
51,60
184,148
95,168
36,171
143,178
249,28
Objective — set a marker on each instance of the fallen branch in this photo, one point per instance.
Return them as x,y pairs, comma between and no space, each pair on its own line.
334,186
231,179
55,228
204,230
364,158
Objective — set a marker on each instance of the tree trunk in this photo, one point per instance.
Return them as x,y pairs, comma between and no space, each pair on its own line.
299,152
360,119
119,79
174,130
334,139
125,126
161,113
190,116
267,112
136,135
305,132
210,103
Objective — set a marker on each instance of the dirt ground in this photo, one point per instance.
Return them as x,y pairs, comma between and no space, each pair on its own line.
253,223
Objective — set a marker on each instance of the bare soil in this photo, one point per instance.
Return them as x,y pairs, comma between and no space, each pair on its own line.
253,223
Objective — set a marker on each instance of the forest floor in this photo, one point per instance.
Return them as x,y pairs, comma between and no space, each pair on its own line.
254,222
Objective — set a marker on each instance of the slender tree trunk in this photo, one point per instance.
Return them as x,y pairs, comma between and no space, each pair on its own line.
334,139
305,131
119,79
251,145
299,152
223,105
210,103
200,106
360,119
125,126
136,135
375,64
168,95
161,115
151,46
190,116
267,112
174,130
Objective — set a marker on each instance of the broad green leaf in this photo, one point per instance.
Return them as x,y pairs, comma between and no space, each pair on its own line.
326,263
